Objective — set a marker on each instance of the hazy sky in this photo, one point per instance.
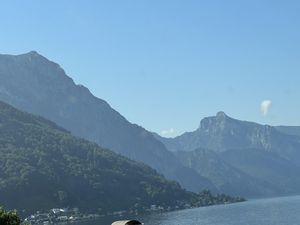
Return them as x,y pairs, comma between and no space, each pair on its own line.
166,64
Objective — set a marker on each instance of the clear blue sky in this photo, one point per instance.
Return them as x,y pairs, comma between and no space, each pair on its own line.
165,63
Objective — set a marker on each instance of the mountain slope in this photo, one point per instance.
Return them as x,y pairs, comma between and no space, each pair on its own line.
226,177
281,174
34,84
290,130
43,166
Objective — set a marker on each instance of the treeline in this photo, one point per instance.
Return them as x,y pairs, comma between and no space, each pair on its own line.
206,198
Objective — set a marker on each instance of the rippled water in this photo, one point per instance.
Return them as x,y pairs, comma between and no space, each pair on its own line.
276,211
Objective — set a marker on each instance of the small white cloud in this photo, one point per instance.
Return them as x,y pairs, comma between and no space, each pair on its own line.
265,107
169,132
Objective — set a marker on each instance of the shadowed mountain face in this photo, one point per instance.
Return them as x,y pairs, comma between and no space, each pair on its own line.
43,166
34,84
259,159
227,178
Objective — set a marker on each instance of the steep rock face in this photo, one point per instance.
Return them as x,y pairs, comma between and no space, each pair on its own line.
259,159
34,84
221,132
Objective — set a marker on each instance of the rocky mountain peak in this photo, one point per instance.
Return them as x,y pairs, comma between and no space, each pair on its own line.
35,53
218,121
221,115
32,55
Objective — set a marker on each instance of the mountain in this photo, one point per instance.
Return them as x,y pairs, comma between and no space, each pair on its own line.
43,166
291,130
281,175
34,84
220,133
227,178
259,159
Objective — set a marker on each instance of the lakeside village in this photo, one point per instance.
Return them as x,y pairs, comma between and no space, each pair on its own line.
73,215
65,215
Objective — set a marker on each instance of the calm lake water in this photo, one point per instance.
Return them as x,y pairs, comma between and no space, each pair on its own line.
275,211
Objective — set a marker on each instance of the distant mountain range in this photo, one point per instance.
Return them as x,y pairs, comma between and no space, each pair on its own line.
222,155
241,157
43,166
34,84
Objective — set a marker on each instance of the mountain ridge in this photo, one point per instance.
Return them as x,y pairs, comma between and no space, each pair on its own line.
34,84
230,140
214,133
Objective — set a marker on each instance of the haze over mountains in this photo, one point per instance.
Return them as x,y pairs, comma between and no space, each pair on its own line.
32,83
224,154
43,166
241,157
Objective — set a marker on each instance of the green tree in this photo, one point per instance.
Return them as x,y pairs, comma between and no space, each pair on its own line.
9,217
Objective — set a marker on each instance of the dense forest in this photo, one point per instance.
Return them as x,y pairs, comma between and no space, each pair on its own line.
43,166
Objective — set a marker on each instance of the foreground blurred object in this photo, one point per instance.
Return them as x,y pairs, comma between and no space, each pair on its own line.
126,222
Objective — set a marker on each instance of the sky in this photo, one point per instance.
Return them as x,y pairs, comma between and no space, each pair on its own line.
166,64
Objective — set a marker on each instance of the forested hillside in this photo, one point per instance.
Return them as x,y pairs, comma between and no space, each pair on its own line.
43,166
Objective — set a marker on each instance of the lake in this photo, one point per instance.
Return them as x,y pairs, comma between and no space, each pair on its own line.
275,211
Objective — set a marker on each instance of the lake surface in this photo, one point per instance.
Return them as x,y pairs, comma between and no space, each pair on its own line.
275,211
